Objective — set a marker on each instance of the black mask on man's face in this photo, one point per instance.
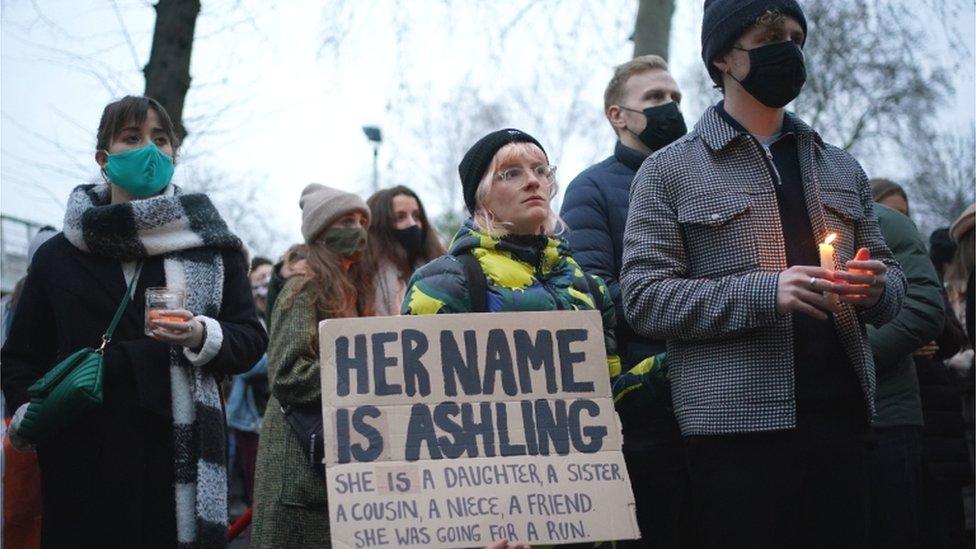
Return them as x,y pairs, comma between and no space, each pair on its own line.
412,239
776,73
664,125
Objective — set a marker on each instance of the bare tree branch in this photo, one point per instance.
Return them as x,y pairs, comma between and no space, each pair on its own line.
867,80
125,33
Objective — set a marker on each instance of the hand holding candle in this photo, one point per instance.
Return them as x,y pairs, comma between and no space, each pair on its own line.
817,291
868,276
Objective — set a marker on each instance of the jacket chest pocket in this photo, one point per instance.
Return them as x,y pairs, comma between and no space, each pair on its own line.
719,234
842,211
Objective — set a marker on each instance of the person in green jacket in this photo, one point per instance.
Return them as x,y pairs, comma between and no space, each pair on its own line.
895,465
290,507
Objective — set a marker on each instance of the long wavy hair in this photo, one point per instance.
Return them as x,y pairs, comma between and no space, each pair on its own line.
382,232
339,293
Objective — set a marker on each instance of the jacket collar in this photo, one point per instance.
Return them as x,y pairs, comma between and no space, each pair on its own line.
717,128
628,157
540,250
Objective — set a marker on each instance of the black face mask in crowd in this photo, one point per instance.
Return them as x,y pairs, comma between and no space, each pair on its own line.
664,125
776,73
412,239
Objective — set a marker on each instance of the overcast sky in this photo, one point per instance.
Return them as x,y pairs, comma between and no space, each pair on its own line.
272,105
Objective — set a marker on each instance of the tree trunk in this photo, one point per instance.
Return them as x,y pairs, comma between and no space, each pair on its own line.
653,29
168,70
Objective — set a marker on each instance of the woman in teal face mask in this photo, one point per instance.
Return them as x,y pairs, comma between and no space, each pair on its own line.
146,468
138,162
290,507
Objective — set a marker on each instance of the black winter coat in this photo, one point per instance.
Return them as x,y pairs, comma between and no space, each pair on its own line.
595,209
944,450
107,481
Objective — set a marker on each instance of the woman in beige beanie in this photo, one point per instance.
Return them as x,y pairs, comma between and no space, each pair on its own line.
290,508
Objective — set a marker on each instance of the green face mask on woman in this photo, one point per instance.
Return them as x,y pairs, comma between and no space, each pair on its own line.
347,242
141,172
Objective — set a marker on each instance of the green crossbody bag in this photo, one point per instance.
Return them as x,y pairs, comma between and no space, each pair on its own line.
71,388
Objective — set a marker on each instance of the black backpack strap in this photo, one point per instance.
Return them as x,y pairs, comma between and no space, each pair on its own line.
477,286
594,290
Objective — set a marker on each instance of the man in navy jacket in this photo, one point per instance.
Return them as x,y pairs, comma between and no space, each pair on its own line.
641,103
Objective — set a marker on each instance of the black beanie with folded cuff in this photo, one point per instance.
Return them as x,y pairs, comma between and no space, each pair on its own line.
726,20
476,161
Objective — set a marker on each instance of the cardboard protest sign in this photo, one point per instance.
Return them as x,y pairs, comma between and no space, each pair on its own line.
458,430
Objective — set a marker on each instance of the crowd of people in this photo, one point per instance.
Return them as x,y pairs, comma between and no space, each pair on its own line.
767,398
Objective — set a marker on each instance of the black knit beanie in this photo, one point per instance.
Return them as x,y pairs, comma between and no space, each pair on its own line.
478,158
726,20
941,247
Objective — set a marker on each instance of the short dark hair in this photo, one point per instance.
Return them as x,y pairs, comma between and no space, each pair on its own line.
132,109
258,261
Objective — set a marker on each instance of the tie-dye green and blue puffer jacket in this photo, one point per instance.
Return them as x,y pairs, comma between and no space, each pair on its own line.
524,273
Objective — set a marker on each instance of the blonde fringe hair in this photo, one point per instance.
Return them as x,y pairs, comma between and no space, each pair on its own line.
484,219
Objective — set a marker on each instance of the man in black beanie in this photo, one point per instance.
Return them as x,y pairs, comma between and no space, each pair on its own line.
773,379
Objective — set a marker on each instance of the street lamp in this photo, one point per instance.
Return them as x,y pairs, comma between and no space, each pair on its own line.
375,137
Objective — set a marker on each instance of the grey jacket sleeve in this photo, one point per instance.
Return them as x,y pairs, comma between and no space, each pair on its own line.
660,300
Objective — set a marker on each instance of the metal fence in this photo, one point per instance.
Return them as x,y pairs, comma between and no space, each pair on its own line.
15,236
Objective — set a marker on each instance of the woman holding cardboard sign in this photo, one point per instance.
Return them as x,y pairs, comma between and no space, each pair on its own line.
508,256
290,508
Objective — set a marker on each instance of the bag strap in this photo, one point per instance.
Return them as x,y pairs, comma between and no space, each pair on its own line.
121,310
594,290
477,286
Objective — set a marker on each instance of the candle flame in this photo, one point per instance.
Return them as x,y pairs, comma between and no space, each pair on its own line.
830,238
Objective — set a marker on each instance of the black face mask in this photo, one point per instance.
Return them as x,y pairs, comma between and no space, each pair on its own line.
776,73
664,125
412,240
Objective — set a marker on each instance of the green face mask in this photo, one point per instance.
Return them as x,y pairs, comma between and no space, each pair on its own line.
347,242
141,172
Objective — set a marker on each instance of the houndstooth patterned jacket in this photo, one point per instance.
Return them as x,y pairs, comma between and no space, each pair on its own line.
703,250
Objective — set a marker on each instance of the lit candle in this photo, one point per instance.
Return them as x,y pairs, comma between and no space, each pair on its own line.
827,262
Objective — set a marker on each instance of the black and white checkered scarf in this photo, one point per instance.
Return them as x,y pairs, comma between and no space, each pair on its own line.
187,231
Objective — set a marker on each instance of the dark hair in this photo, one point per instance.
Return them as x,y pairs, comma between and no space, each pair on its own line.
131,109
382,227
883,188
258,261
941,250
